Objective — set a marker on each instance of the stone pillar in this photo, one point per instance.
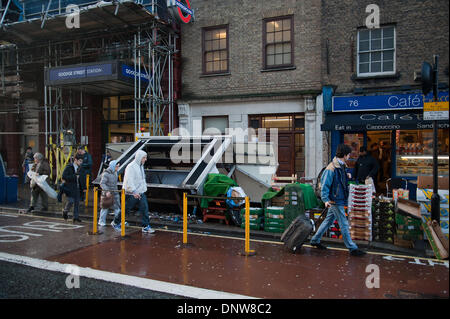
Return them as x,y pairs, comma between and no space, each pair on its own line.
184,118
313,136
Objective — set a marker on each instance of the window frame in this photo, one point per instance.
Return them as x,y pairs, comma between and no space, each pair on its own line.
264,48
205,117
394,59
206,29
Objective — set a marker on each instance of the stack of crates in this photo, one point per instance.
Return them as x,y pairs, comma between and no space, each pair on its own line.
274,219
408,228
256,219
360,212
383,220
334,231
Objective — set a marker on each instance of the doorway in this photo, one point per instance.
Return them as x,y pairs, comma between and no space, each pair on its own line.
379,145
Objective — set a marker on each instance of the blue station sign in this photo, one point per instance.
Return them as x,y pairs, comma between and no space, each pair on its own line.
393,102
80,72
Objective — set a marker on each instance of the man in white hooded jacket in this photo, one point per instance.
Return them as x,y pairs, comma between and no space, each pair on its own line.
135,186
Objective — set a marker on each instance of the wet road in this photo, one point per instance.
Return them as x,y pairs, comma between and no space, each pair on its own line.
215,264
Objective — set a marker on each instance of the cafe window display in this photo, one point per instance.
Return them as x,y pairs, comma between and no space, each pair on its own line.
414,152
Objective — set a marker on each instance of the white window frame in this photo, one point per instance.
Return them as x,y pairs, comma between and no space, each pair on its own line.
371,74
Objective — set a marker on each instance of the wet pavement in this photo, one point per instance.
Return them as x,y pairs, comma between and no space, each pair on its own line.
216,263
163,220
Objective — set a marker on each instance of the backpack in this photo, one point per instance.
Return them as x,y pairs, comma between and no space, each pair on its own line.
318,187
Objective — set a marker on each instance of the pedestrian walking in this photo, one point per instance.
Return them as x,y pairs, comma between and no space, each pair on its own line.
74,188
334,194
41,167
27,160
108,183
135,186
86,167
366,166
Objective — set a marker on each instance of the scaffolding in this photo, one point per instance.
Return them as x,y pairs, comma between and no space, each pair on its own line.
131,31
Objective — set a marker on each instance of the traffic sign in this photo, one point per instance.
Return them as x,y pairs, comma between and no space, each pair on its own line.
435,111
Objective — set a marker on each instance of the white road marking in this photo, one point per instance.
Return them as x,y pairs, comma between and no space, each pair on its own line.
144,283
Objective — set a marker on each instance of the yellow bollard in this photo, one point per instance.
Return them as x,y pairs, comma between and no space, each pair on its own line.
87,189
184,218
247,250
94,231
122,214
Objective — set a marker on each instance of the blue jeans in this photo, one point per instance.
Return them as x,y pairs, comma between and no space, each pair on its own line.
75,201
115,208
130,202
335,212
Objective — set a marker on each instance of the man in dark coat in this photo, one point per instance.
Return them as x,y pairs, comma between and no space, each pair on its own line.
86,167
73,186
366,166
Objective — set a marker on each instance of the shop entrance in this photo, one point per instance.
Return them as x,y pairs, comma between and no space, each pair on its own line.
380,146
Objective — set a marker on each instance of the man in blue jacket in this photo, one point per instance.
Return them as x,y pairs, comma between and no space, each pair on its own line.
334,194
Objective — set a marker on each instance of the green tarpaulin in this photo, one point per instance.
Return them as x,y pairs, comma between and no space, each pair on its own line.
216,185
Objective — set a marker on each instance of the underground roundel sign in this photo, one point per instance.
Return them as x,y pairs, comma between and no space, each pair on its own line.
180,10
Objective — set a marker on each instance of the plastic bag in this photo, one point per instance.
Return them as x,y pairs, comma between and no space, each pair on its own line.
235,192
40,181
369,181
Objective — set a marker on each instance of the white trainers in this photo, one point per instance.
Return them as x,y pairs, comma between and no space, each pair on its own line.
147,229
101,224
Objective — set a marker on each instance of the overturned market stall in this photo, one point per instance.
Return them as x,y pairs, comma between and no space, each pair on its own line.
178,164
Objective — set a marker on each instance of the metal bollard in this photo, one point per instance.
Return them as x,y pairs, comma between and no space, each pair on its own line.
122,214
87,189
184,218
247,251
94,230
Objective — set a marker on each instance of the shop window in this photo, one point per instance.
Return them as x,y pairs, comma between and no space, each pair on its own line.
212,125
278,44
299,122
279,122
376,51
110,108
414,152
215,50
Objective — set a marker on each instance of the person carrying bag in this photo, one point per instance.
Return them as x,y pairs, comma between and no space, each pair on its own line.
108,199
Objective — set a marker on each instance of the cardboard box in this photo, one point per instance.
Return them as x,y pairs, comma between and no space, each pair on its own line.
425,194
427,182
402,242
425,209
409,207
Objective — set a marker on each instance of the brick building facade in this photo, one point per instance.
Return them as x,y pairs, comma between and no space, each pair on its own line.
372,80
251,90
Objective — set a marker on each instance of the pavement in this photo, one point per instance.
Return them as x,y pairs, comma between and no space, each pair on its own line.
213,264
209,267
166,221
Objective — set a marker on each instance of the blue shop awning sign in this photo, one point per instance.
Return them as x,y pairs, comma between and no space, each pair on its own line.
378,121
392,102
